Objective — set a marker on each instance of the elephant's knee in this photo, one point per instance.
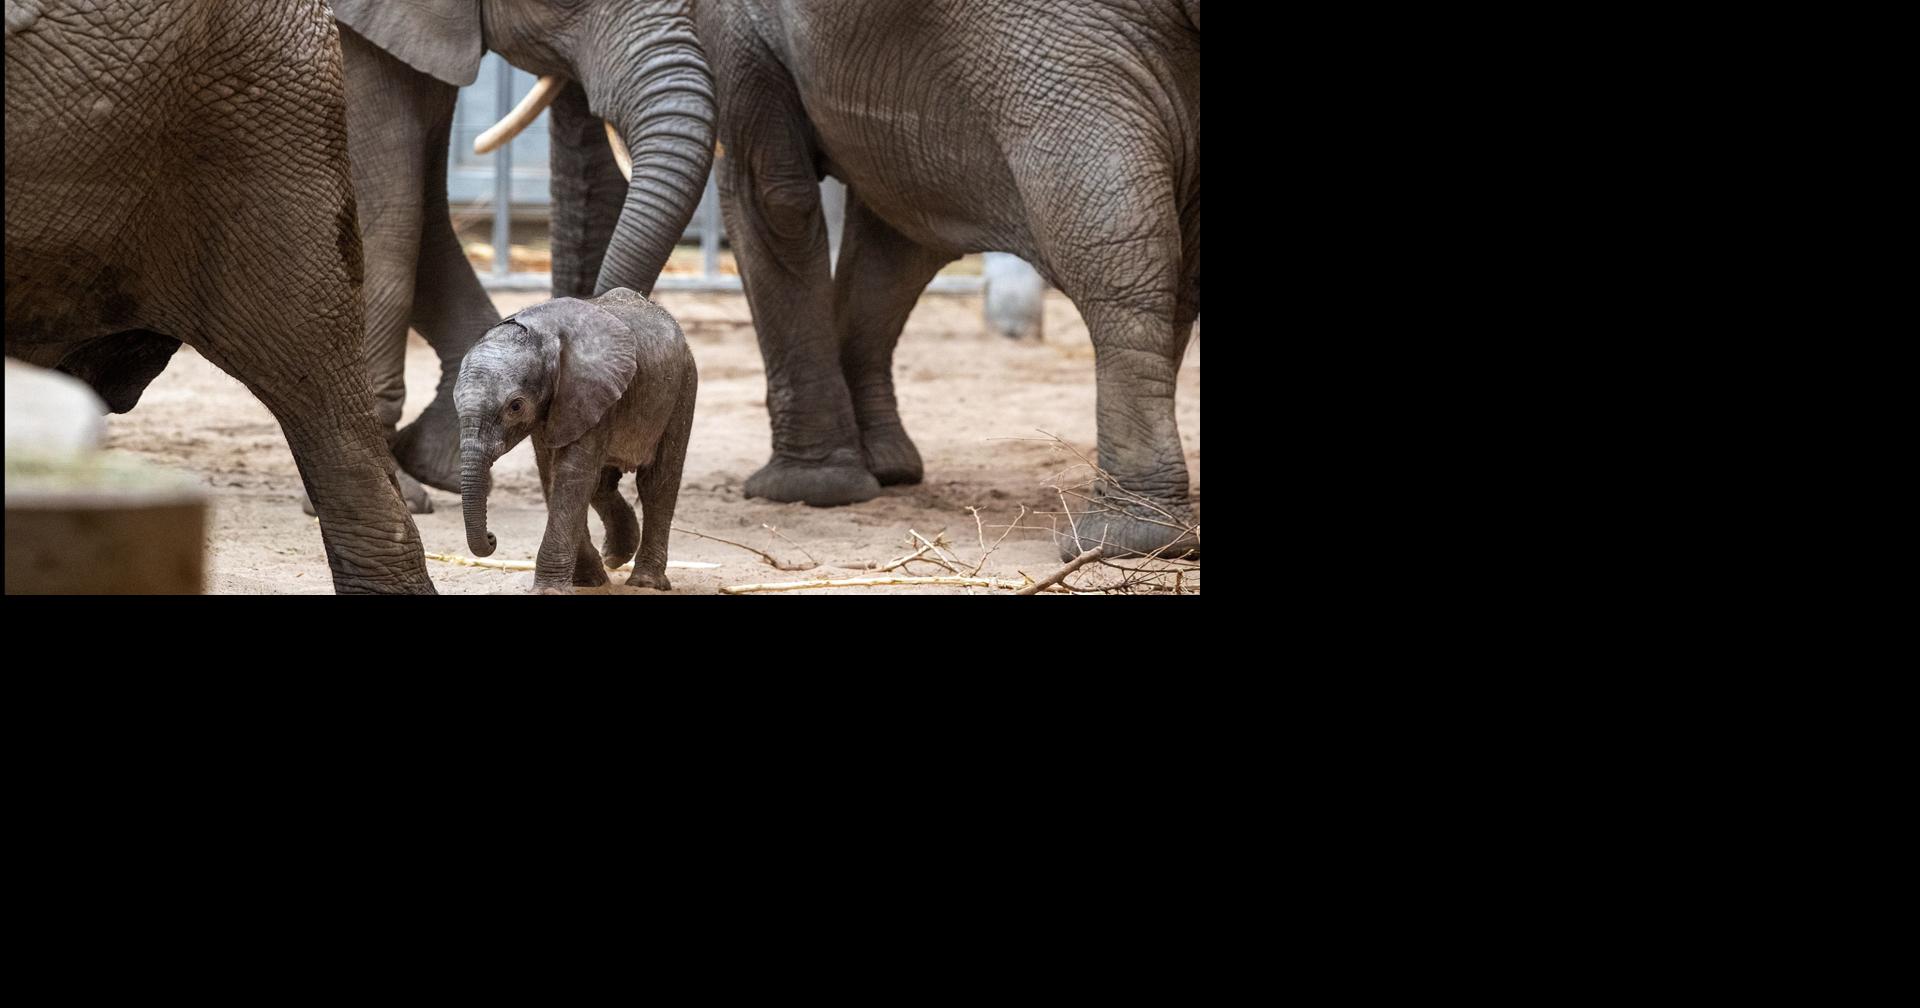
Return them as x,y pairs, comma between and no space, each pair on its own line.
788,207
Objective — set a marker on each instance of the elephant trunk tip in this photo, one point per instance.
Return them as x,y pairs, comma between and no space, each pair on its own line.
487,550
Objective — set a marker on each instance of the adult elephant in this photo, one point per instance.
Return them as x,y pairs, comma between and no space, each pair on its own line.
178,173
612,70
1066,133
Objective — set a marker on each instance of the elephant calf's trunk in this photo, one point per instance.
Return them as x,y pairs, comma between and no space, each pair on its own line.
476,480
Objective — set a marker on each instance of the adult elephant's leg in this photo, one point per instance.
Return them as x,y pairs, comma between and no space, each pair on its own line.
325,408
451,309
1127,274
269,254
588,193
881,274
285,319
392,112
770,193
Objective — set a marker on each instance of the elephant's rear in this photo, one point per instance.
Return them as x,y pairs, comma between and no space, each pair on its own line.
137,134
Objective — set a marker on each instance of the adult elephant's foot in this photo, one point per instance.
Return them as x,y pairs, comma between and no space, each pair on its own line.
418,502
891,456
1131,530
428,449
842,479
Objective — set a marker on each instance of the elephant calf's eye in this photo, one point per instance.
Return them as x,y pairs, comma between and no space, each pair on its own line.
516,406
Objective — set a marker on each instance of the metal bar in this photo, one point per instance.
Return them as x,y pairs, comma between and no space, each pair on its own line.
502,172
710,232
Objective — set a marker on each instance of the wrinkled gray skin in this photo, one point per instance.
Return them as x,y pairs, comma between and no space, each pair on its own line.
1013,302
178,173
603,387
1066,132
635,63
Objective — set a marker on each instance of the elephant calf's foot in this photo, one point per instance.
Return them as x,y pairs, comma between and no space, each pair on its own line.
1132,531
650,578
623,539
410,491
891,456
842,479
428,449
588,573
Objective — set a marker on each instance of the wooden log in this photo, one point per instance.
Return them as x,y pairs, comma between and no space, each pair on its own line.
102,525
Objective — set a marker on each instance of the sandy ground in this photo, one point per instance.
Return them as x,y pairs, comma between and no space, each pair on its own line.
974,404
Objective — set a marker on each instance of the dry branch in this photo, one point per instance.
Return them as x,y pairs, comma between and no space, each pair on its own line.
877,582
996,543
898,562
527,565
768,557
1057,576
938,540
795,545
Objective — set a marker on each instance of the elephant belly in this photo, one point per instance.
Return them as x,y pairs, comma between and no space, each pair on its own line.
632,446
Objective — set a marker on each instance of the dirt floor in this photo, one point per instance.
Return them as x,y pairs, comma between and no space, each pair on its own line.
974,403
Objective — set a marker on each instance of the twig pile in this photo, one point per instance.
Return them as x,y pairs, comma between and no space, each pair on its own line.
1098,491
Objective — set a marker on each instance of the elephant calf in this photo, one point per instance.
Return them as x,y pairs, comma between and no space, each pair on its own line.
604,386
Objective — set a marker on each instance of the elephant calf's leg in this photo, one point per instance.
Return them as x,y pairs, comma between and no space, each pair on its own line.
588,571
570,475
555,480
880,276
659,485
616,517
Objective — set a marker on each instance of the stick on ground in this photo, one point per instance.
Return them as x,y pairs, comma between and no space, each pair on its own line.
768,557
867,582
1057,576
517,565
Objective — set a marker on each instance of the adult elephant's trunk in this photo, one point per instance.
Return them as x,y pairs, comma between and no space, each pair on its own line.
645,74
476,481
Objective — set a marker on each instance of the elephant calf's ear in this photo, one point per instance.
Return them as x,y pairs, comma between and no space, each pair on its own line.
596,363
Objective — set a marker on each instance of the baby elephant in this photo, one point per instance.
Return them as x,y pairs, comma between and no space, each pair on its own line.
604,386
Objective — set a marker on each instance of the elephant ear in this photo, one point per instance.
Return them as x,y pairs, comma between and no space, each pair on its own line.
595,365
440,38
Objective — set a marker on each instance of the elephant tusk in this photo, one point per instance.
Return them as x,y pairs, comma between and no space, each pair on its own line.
620,155
545,90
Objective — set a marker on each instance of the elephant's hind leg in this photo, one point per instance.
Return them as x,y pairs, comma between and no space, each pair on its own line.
1130,279
417,499
770,192
880,275
314,381
616,517
659,485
